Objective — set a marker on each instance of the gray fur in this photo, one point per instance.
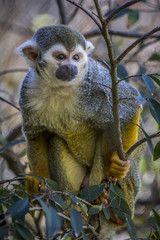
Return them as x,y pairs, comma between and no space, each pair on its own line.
49,36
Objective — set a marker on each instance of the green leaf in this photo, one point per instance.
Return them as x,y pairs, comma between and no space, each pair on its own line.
92,192
156,153
23,232
106,212
121,71
4,193
73,198
133,17
19,208
52,184
155,57
150,144
58,199
53,221
156,80
83,206
4,232
76,221
131,227
149,83
117,202
157,217
84,235
95,210
120,14
11,144
116,190
155,109
3,199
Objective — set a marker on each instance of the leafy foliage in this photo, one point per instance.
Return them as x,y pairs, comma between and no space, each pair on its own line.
16,204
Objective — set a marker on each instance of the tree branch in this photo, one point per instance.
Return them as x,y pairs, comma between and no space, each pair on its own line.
119,9
134,44
70,18
114,90
13,164
62,12
138,75
137,144
13,70
10,103
88,13
97,32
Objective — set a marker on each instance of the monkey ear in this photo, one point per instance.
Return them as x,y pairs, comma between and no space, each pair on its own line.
29,51
90,47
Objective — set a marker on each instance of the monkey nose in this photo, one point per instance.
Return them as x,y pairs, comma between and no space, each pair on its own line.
66,72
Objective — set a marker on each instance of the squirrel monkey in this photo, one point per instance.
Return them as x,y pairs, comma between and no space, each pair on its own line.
66,107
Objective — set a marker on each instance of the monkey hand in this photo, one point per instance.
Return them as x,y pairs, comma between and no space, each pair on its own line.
34,184
118,168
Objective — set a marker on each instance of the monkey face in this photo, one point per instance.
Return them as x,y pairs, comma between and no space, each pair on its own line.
58,55
66,67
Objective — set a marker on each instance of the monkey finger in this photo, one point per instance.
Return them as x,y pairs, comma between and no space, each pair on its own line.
119,168
103,200
117,174
119,162
105,194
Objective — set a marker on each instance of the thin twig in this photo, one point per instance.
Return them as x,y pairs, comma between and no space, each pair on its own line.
62,11
88,13
13,70
137,144
134,44
119,9
63,216
70,18
12,180
106,65
15,165
97,32
10,103
90,227
138,75
141,48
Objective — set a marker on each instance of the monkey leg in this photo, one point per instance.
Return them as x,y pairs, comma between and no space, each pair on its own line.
63,167
37,151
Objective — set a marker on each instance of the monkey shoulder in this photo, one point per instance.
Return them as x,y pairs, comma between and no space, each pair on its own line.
96,97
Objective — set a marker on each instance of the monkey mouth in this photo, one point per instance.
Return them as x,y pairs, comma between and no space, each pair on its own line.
67,72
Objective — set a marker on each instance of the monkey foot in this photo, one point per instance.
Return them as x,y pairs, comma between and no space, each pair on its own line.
34,184
104,200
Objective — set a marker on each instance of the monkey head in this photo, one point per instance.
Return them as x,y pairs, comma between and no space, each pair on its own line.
57,54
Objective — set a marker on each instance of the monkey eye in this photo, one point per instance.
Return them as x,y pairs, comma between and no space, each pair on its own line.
61,56
76,57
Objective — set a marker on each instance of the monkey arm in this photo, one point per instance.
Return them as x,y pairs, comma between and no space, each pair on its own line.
117,167
37,152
